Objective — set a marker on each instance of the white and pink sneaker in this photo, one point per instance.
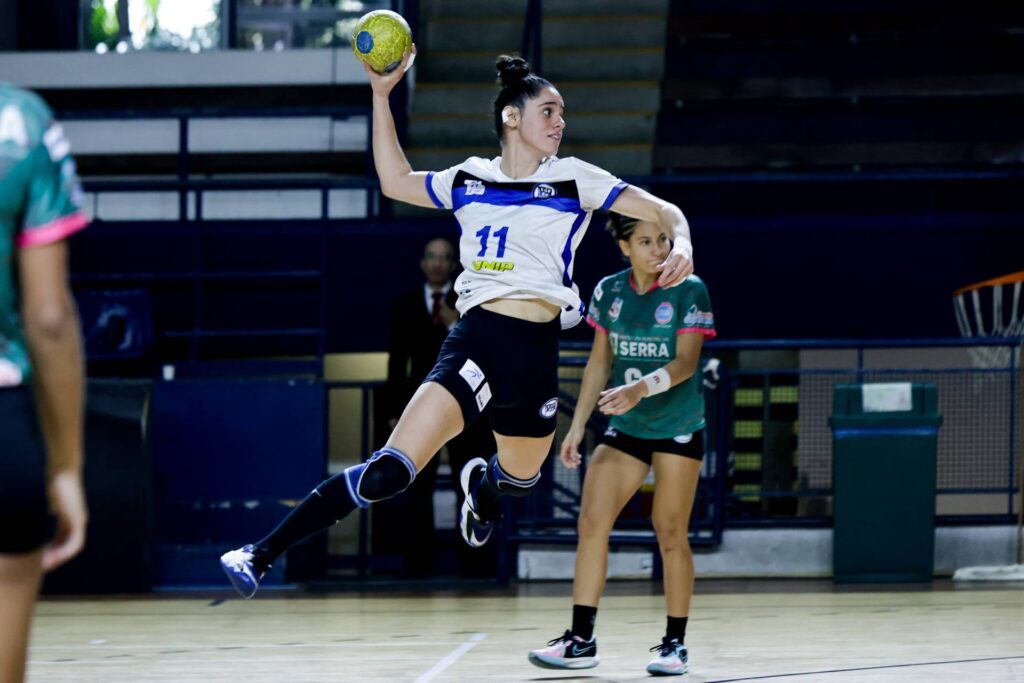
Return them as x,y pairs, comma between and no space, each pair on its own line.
671,659
567,651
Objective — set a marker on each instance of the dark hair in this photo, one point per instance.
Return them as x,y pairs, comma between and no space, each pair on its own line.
518,84
620,227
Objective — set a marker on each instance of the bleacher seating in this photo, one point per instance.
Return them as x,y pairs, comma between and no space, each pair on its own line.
847,85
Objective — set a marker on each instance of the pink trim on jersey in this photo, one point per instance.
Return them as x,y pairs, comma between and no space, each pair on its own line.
54,231
710,334
595,325
632,285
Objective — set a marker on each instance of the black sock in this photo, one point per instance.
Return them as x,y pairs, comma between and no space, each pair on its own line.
676,629
583,618
325,505
488,498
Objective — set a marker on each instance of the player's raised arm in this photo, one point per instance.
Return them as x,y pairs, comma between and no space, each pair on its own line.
397,179
637,203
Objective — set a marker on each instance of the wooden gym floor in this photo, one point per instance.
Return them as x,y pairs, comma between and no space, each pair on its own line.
739,631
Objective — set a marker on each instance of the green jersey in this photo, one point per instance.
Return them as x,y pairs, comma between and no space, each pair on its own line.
39,198
642,328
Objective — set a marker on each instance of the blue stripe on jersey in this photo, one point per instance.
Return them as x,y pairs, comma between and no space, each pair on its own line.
567,251
613,195
430,190
500,196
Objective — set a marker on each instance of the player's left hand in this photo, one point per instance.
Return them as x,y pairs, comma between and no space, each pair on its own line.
621,399
383,84
67,501
677,267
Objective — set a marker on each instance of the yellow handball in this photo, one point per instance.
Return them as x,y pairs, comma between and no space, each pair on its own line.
380,39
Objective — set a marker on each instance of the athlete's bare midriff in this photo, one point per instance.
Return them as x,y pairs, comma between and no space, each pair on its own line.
531,310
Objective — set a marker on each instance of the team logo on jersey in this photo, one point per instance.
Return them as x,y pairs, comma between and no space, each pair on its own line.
598,292
543,191
615,309
475,187
663,313
695,316
549,409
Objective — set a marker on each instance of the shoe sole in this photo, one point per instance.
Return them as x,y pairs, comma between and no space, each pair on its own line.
563,664
654,671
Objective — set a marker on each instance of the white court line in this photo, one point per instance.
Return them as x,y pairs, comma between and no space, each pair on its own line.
452,657
340,659
206,647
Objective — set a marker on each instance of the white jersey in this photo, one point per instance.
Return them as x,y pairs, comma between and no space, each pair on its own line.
519,236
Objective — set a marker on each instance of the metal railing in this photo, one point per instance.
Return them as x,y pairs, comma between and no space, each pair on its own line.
780,451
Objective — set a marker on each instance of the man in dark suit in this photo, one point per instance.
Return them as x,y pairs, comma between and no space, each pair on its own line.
420,322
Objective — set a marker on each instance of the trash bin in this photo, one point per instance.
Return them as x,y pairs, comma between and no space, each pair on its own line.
883,473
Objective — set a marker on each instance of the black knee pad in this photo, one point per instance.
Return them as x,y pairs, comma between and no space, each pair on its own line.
506,483
387,473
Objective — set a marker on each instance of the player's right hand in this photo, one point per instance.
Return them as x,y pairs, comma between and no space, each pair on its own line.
383,84
570,453
67,502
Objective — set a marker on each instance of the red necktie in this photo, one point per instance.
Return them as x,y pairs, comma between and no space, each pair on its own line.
435,309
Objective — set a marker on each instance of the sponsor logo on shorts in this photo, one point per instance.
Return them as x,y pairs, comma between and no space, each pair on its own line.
614,310
663,313
611,431
683,438
475,187
483,396
472,373
549,409
543,191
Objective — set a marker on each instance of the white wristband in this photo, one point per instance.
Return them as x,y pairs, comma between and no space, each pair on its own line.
657,381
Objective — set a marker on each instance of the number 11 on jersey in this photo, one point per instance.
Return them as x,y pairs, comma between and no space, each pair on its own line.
485,232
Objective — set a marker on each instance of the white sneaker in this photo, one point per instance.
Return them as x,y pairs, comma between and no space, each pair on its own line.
475,530
567,651
239,567
671,659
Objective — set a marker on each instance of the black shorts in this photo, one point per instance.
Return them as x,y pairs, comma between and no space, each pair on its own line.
506,366
644,449
25,522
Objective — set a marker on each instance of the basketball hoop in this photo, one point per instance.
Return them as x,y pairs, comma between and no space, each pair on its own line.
1001,297
992,309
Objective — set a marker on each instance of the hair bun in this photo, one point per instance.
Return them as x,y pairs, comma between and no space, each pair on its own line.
511,69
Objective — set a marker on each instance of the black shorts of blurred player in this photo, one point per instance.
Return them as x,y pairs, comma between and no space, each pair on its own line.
688,446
